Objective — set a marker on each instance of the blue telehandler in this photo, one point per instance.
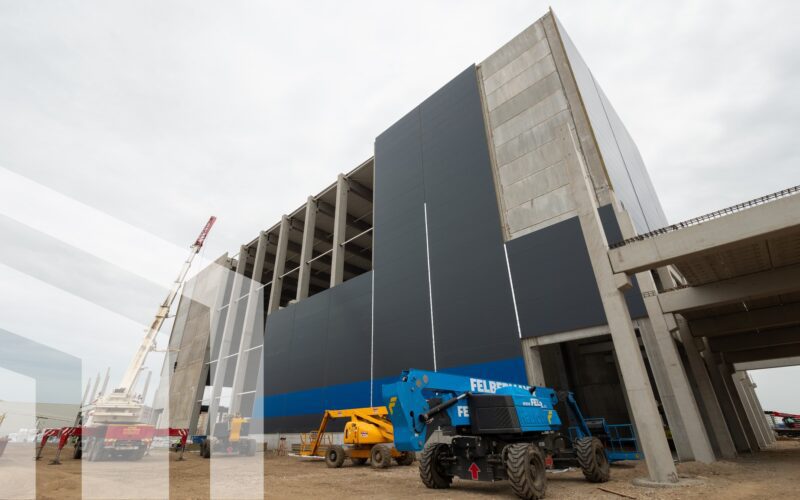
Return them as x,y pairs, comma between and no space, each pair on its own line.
495,431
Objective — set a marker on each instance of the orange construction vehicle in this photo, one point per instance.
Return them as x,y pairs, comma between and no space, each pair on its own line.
368,435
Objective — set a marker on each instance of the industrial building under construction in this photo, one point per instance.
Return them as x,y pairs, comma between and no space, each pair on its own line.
506,228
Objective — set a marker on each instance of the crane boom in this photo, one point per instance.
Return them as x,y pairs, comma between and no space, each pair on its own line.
149,342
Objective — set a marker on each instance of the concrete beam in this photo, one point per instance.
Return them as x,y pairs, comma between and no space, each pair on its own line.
746,321
351,248
644,411
329,210
339,231
785,351
759,222
307,249
779,281
767,363
557,338
753,340
279,266
361,190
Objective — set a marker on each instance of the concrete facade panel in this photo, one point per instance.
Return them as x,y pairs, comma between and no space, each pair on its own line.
514,48
530,117
525,60
527,98
530,140
520,82
539,159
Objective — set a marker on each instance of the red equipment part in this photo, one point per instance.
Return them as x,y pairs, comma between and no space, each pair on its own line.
204,232
144,433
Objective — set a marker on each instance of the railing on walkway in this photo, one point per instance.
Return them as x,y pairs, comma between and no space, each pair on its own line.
710,216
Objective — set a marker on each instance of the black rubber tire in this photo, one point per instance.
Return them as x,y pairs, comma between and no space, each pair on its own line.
431,470
335,456
205,448
358,461
592,458
380,456
78,451
406,458
526,472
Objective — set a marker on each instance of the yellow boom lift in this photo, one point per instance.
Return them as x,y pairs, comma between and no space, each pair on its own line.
368,435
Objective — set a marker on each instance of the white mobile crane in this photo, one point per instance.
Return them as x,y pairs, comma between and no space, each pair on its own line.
112,425
123,404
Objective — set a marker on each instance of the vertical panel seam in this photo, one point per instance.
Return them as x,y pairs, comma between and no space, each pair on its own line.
430,284
513,295
372,341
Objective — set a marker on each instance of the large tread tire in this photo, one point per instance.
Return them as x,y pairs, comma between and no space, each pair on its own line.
593,460
431,470
406,458
78,451
380,456
334,457
526,472
358,461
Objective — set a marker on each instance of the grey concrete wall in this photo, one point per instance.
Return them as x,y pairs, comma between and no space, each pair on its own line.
526,103
533,85
185,371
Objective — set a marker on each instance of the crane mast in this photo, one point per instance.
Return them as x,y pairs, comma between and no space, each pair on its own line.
122,404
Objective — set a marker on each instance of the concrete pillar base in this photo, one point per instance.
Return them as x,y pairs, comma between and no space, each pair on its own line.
682,482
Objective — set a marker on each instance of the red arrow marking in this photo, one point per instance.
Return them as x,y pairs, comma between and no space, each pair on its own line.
474,469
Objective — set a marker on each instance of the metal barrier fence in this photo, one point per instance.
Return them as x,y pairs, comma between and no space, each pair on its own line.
710,216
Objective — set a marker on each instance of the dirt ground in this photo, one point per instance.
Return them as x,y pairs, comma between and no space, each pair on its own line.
769,474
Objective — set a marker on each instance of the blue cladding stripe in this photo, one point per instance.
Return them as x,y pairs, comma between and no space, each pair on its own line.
356,395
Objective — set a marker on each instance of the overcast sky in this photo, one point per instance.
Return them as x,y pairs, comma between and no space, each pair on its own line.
124,125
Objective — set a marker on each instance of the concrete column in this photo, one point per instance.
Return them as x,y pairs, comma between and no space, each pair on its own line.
750,411
645,415
683,415
751,386
227,337
533,365
307,251
339,231
738,405
735,426
253,322
719,429
279,267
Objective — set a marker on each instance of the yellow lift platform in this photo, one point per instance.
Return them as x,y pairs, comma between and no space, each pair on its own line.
368,435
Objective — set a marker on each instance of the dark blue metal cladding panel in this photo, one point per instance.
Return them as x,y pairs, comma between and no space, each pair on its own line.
348,347
554,282
317,343
473,309
402,336
624,163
